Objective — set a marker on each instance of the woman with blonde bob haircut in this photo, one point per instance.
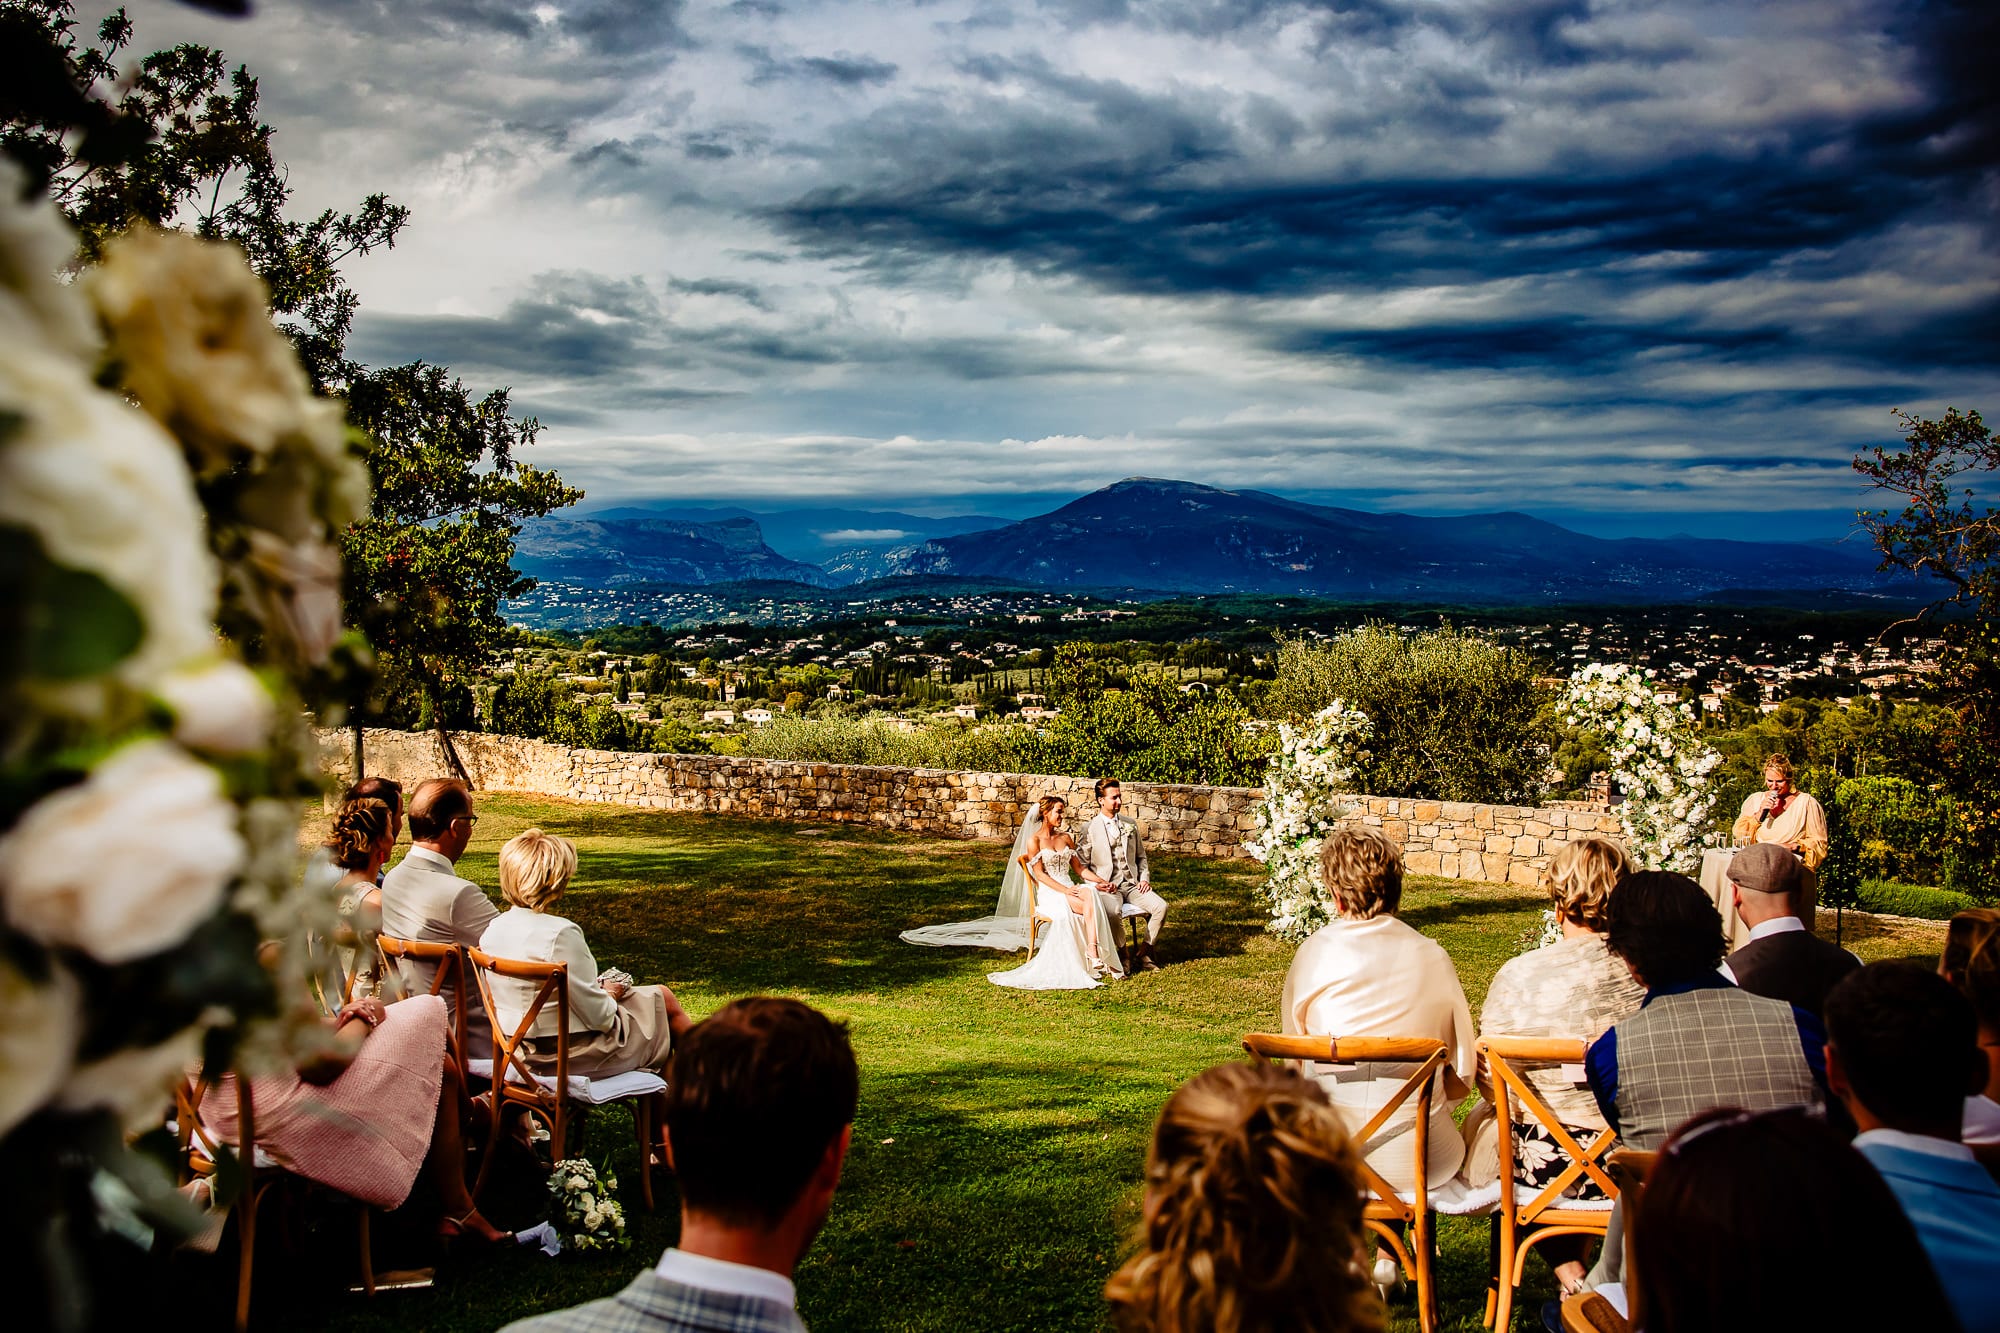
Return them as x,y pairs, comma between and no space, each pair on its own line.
1368,974
1574,987
614,1027
1252,1214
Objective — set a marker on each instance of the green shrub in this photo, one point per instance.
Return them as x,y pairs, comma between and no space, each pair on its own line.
1901,829
1894,898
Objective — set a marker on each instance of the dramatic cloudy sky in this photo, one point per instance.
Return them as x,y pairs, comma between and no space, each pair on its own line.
1645,265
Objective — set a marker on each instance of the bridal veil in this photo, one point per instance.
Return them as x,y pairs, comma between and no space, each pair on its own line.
1007,928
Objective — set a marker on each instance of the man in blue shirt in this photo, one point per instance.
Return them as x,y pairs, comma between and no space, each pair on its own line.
1902,1053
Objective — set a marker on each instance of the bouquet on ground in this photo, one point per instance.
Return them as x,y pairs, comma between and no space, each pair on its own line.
584,1213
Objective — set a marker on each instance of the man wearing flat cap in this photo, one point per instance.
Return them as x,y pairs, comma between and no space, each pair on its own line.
1781,959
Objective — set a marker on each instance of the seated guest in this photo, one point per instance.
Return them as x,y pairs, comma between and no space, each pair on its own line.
1366,974
1971,962
321,873
759,1112
364,834
1902,1051
613,1027
381,1102
1698,1042
1252,1214
1752,1223
1575,988
425,898
1781,960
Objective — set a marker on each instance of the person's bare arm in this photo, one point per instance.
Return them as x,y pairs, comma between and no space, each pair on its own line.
351,1026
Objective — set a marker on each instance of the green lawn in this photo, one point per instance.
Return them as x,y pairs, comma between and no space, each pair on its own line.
996,1164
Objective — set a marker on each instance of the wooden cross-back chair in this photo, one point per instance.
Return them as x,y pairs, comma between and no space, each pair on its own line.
204,1154
1035,918
1520,1223
450,976
1386,1214
557,1101
332,981
1589,1312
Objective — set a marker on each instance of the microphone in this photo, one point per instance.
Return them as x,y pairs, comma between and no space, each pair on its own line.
1770,809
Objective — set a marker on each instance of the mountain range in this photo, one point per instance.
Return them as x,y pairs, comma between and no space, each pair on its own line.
1148,535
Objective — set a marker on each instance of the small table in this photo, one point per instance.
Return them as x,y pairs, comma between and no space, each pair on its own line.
1715,882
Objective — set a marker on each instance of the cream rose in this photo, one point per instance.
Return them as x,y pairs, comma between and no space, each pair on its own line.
36,306
40,1024
107,491
222,708
126,863
191,325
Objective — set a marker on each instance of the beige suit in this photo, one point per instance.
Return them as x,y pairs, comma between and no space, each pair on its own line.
425,898
1112,848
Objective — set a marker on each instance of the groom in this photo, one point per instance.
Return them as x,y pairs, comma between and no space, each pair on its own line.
1111,847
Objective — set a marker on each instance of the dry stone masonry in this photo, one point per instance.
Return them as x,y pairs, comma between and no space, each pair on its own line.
1452,839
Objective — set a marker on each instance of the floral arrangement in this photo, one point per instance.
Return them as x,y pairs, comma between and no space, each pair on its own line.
1303,784
164,471
586,1215
1658,762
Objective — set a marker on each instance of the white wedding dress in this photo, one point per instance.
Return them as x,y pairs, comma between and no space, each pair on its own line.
1060,961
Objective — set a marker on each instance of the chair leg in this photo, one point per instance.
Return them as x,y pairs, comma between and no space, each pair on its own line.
246,1234
1422,1247
642,1113
492,1141
367,1253
1493,1267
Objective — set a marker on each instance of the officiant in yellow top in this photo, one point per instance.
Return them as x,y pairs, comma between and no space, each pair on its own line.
1783,814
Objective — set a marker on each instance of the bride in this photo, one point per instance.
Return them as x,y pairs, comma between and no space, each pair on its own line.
1080,944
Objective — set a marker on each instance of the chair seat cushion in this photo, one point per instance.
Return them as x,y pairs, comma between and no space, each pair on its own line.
589,1091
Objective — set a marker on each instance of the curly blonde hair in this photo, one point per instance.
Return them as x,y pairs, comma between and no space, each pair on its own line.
1362,867
1579,879
1971,961
357,826
1253,1213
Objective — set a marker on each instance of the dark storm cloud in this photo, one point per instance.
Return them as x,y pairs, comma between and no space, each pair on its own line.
842,68
1580,344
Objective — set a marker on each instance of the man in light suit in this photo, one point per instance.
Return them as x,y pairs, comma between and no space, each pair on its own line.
759,1112
1112,848
425,898
1902,1053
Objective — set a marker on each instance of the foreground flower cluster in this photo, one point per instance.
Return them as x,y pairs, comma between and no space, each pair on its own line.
1308,775
1658,762
149,770
583,1211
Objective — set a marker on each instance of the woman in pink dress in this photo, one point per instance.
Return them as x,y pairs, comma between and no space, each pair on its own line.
382,1102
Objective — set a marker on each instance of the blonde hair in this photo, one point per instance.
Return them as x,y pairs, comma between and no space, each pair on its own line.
1781,763
1050,803
535,868
1362,867
357,826
1253,1213
1971,961
1579,880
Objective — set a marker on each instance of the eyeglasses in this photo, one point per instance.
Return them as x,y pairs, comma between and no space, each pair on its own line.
466,819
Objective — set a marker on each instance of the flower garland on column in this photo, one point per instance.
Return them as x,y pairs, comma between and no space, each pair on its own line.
1303,786
164,471
1658,761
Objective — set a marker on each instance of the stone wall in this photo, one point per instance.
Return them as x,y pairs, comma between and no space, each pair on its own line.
1452,839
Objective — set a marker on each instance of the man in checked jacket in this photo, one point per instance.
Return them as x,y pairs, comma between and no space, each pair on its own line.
760,1105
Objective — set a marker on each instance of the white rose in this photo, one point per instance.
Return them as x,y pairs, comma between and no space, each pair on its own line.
40,1024
223,708
126,863
36,307
107,491
136,1083
191,326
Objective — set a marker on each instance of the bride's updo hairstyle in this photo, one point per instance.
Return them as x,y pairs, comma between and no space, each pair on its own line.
1252,1215
1049,804
357,826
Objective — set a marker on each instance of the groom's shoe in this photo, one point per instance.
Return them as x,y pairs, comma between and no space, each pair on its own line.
1146,961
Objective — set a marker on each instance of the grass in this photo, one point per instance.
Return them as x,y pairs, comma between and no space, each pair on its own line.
996,1164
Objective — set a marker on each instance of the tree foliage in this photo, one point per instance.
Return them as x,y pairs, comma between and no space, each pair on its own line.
1143,729
1456,717
1943,477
